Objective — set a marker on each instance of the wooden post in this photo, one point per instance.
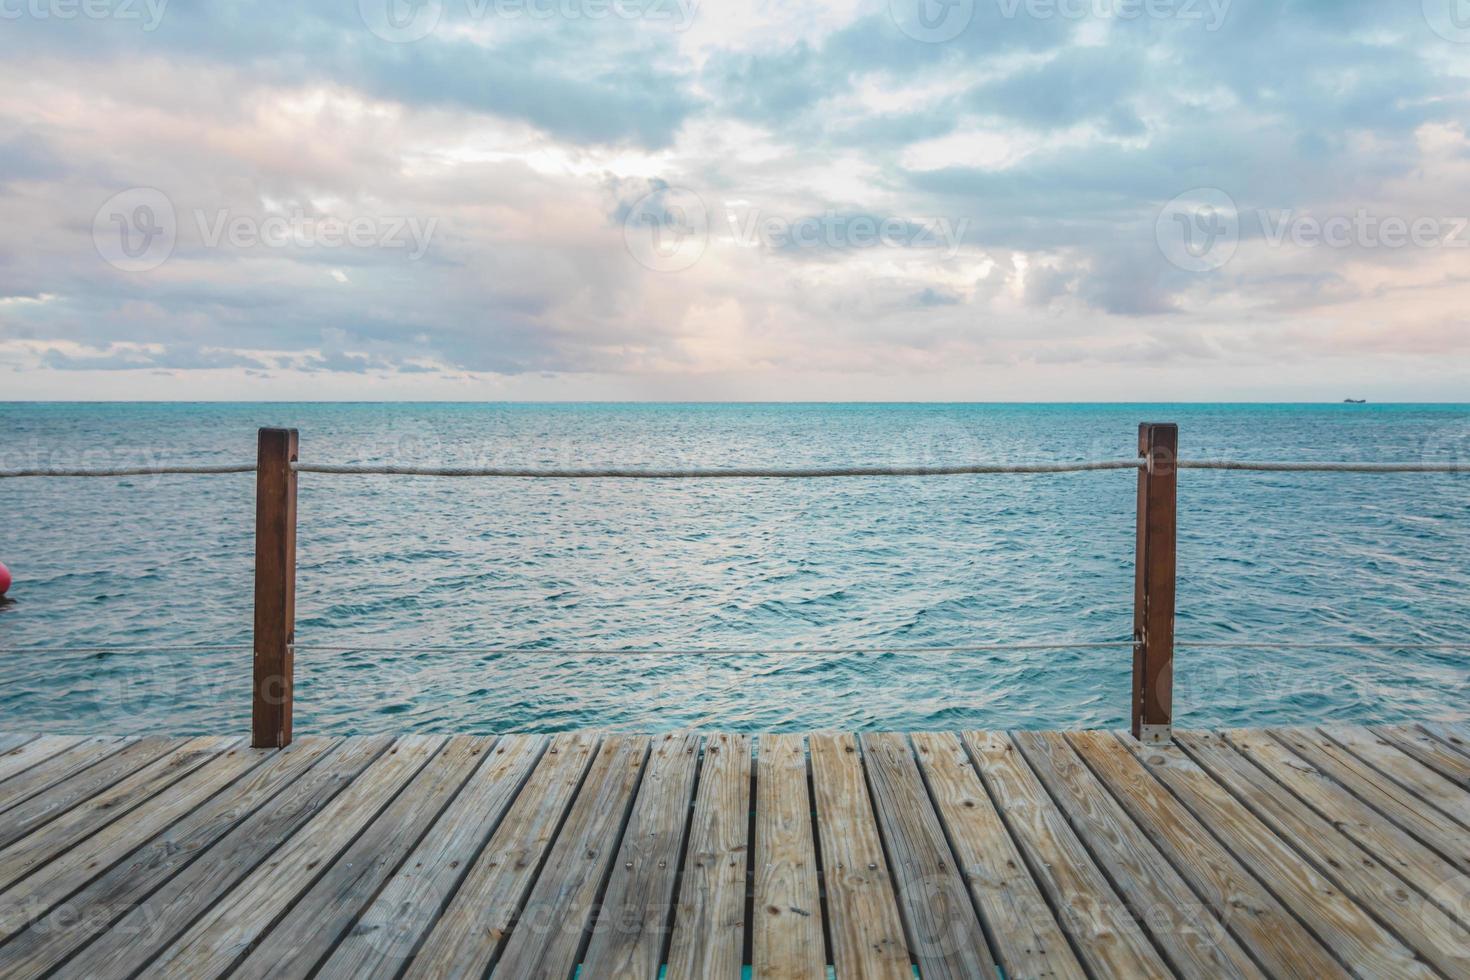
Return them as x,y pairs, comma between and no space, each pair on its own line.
275,588
1153,588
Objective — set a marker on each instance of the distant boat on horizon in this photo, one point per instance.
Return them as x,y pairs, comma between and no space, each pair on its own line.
1355,401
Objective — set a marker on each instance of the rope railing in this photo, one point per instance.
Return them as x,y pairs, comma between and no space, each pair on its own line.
739,473
1322,644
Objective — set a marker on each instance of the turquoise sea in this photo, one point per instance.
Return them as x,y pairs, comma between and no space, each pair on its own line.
497,605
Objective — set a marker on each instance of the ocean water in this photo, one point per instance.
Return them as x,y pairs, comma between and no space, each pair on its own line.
495,605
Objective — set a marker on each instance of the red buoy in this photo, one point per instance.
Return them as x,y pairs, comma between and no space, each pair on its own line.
4,579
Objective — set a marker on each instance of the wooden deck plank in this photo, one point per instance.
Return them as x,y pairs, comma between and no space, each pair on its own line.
10,740
633,923
1419,865
47,790
94,909
1428,751
549,935
92,814
228,931
1424,926
786,931
1028,940
862,909
472,930
390,930
1343,925
1280,943
323,913
157,920
1196,944
1105,933
36,894
709,918
1398,766
1396,803
943,929
18,753
1456,737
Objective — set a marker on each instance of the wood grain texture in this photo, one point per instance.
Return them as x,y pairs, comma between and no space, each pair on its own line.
1399,766
943,930
631,928
1398,804
35,895
1428,751
1192,939
90,912
1344,926
1418,864
225,934
472,930
549,935
862,908
136,938
1452,736
92,770
391,929
709,919
322,915
1103,930
1356,871
19,753
1263,925
786,934
96,812
1029,942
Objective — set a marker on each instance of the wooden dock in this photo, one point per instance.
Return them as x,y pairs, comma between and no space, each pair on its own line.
1296,852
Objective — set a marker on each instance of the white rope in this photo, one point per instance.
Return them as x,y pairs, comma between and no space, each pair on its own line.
205,469
1317,645
626,473
1266,467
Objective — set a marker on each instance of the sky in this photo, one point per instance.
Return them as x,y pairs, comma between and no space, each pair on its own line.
869,200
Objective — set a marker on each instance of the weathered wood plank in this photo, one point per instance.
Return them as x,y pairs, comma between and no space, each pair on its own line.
45,791
1106,936
630,929
1263,925
91,815
943,930
549,935
1341,922
1424,782
470,933
389,930
157,920
1395,802
1421,866
214,944
1029,942
322,915
97,907
1457,738
1194,941
863,917
1428,751
1424,926
11,740
19,754
786,934
35,895
709,919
